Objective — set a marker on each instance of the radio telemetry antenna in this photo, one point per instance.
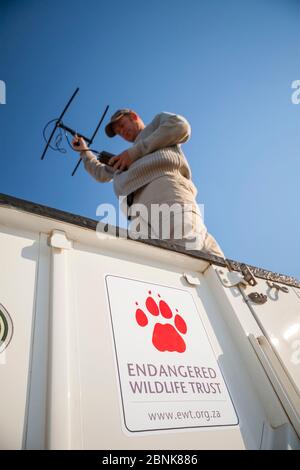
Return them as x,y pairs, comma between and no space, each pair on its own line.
103,156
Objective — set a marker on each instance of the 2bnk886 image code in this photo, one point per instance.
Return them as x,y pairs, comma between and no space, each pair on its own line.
176,459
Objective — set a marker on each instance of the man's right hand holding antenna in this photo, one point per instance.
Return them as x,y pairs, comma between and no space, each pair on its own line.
79,144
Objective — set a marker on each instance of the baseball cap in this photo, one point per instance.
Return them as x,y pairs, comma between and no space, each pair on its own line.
115,117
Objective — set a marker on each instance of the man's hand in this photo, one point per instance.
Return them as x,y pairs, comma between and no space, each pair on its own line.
82,144
122,161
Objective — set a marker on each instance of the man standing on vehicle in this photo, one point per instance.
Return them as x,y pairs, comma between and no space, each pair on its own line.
151,173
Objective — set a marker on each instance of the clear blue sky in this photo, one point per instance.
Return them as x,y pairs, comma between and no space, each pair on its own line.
227,66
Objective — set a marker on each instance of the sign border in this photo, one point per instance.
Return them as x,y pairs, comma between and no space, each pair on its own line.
119,375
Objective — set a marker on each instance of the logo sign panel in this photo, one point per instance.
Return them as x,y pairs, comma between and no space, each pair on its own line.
168,373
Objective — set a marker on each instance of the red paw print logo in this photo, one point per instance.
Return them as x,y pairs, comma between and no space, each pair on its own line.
166,337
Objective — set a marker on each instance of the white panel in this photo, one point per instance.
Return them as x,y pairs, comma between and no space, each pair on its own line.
77,378
19,255
268,327
102,414
279,319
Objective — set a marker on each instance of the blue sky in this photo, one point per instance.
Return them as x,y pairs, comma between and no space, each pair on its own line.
227,66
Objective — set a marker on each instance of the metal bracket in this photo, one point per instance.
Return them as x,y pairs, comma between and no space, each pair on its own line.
192,278
231,278
258,298
248,276
58,239
277,287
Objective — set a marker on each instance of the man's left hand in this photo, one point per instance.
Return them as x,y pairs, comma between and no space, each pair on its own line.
122,161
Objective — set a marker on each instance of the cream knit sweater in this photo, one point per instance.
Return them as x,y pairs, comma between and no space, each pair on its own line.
159,145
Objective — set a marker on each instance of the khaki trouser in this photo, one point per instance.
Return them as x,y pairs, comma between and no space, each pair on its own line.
186,230
189,230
